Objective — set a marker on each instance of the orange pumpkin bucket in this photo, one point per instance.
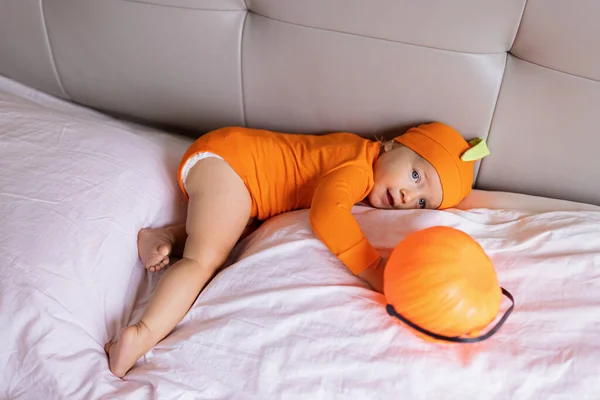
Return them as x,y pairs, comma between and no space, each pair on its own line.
441,283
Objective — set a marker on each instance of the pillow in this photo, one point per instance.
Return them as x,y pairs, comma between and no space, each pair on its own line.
521,202
75,188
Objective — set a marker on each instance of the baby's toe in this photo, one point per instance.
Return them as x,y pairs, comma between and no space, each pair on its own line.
159,265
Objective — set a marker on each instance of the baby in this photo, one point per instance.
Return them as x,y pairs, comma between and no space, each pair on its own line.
233,177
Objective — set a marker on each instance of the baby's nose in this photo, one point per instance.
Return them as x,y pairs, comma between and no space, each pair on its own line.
405,196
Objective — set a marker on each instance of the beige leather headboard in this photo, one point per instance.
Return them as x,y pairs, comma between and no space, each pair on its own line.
525,74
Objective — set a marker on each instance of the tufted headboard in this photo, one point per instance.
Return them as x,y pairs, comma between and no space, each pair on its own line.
524,74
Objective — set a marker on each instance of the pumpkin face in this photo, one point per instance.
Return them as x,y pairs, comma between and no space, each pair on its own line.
442,280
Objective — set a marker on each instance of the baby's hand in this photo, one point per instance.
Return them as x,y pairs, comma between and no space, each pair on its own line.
374,274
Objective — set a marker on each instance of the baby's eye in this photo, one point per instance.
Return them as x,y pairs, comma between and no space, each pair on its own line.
415,175
422,203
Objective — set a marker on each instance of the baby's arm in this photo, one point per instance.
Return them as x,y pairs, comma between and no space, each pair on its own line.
332,221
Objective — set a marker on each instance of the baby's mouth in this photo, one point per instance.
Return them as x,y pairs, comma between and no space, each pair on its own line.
390,198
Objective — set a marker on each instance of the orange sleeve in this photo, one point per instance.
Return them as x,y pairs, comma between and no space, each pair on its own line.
332,220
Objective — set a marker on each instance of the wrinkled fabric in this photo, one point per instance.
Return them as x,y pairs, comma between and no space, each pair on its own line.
287,320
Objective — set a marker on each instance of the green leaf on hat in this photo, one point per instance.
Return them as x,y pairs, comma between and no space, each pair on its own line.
477,151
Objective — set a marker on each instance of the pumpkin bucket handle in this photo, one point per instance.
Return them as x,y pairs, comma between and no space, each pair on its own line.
456,339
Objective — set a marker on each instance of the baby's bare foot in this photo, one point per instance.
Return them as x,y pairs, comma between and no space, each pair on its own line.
134,342
154,247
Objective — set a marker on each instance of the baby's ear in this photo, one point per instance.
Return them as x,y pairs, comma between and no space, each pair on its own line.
390,145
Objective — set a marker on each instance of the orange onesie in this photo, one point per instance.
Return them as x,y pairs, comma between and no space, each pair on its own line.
285,172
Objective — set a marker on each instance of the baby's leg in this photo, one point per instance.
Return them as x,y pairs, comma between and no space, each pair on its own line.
218,212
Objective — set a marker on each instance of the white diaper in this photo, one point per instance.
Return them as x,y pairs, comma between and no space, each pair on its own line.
192,161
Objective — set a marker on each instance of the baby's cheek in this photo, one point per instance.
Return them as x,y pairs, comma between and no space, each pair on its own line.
373,198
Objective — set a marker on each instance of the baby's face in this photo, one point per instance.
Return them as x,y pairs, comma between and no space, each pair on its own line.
405,180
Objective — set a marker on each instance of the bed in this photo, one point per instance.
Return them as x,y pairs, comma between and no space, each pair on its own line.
285,320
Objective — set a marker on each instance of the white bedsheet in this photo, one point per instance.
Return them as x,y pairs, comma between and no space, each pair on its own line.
286,321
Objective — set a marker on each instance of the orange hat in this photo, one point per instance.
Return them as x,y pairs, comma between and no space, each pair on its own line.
452,157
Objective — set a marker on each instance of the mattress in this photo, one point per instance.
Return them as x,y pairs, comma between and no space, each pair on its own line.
285,319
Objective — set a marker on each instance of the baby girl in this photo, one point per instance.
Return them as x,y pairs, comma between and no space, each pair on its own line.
233,177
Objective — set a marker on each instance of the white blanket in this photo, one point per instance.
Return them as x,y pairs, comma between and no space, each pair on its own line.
287,320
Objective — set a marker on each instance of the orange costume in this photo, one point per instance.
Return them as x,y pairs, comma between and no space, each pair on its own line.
331,173
285,172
